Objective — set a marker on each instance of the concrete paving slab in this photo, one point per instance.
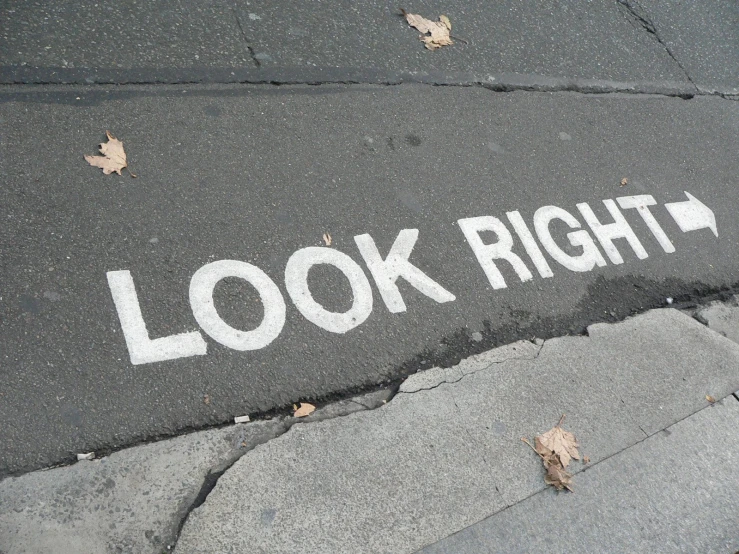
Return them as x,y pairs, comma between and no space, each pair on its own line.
393,479
410,471
677,491
722,317
625,377
657,385
135,500
521,399
131,501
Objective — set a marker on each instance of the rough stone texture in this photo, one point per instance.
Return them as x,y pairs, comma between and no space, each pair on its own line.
675,492
435,461
131,501
443,455
722,317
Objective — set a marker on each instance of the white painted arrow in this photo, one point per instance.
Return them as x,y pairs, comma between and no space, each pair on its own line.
692,215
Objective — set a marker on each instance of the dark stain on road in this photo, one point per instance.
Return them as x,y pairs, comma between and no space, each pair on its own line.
413,140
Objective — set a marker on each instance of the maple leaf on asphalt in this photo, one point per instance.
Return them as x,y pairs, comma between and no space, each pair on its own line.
113,157
435,34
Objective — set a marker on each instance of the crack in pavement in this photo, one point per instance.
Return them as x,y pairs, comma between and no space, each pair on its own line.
210,481
640,15
332,411
246,40
66,78
209,476
445,381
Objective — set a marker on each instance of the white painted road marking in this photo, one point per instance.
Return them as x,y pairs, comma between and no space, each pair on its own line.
296,281
690,215
396,264
487,253
527,239
141,348
641,204
203,283
607,232
590,256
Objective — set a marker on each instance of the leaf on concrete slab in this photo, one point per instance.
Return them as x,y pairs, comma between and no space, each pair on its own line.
434,34
556,448
548,457
710,398
113,157
558,478
304,410
561,442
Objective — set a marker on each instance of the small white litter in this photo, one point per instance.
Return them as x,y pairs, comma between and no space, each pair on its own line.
88,456
669,300
242,419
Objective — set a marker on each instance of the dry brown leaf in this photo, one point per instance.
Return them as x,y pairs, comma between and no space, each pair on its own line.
561,442
556,448
624,182
113,157
304,410
434,34
206,399
558,478
710,398
327,239
586,459
548,457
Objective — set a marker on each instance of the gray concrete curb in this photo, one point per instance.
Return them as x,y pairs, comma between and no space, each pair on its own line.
444,454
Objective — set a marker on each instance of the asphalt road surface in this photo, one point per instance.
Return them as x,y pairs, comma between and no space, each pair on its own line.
666,44
97,271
